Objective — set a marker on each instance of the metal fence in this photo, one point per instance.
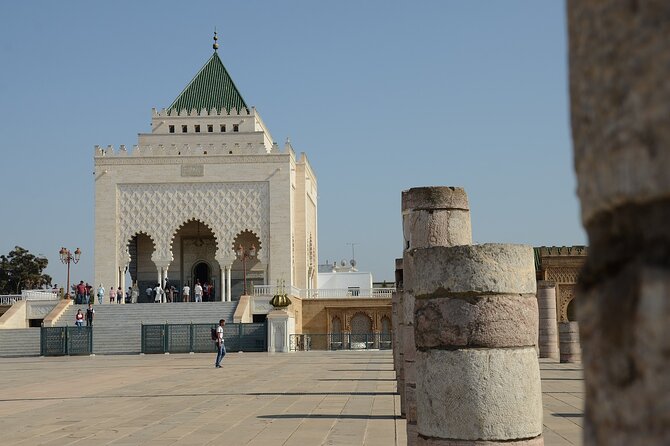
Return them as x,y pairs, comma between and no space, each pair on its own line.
196,338
60,341
340,341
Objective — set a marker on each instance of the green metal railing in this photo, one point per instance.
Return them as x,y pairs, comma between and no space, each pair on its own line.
60,341
340,341
196,338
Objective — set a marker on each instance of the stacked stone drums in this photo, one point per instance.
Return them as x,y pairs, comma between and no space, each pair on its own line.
548,329
431,216
478,377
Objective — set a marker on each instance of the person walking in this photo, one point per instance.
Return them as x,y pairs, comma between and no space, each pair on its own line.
149,292
90,312
134,293
119,295
81,292
186,293
205,292
112,294
221,347
197,291
101,293
79,318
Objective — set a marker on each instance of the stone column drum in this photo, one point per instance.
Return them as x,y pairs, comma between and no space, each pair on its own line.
548,328
478,376
568,335
620,113
431,216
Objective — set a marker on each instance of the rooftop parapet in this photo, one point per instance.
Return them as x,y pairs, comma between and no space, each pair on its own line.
202,112
188,150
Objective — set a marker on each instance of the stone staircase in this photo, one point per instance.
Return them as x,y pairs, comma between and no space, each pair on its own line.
20,342
117,328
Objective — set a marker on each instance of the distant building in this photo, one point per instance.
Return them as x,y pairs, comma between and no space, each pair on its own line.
561,265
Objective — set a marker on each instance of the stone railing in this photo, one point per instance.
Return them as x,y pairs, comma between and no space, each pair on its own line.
327,293
271,290
39,295
11,299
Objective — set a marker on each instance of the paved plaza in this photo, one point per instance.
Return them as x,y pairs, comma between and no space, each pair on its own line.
305,398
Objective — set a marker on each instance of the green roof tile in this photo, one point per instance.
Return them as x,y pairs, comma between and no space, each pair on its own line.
211,88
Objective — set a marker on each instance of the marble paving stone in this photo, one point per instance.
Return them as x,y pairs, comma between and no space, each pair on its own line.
300,399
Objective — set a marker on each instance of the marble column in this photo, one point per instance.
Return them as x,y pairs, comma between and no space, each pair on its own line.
222,284
122,282
620,111
229,294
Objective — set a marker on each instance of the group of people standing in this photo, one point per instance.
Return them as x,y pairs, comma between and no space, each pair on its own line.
201,293
156,293
83,293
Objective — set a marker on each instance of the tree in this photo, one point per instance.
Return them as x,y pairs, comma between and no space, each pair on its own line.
21,269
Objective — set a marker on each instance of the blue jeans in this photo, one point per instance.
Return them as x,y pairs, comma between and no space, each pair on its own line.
221,353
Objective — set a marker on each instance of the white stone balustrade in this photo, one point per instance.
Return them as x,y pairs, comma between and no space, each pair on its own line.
332,293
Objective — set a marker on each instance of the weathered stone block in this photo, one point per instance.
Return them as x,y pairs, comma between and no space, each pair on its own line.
426,228
435,197
408,308
478,321
410,403
410,373
491,394
476,269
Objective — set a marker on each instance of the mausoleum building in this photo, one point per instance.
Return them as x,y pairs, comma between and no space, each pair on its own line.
206,195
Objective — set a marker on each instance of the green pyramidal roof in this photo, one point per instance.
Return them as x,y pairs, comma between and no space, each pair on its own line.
211,88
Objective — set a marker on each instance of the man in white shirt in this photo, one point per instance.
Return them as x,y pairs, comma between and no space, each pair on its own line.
197,291
221,348
186,293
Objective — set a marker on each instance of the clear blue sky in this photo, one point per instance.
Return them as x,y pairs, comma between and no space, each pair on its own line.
381,95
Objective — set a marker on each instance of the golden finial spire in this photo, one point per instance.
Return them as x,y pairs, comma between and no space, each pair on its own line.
215,45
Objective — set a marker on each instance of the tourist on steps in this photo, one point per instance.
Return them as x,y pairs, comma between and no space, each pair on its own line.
79,318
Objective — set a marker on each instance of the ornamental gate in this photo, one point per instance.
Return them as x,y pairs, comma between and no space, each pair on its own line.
60,341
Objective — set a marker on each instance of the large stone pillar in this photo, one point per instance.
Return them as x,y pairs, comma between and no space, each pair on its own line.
548,328
431,216
478,376
620,111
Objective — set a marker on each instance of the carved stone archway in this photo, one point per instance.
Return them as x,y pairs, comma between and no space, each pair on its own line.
160,209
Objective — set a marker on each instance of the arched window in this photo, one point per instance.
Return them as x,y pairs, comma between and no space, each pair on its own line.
361,331
335,333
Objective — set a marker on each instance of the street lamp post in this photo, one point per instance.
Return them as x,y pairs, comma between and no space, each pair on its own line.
243,254
67,257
